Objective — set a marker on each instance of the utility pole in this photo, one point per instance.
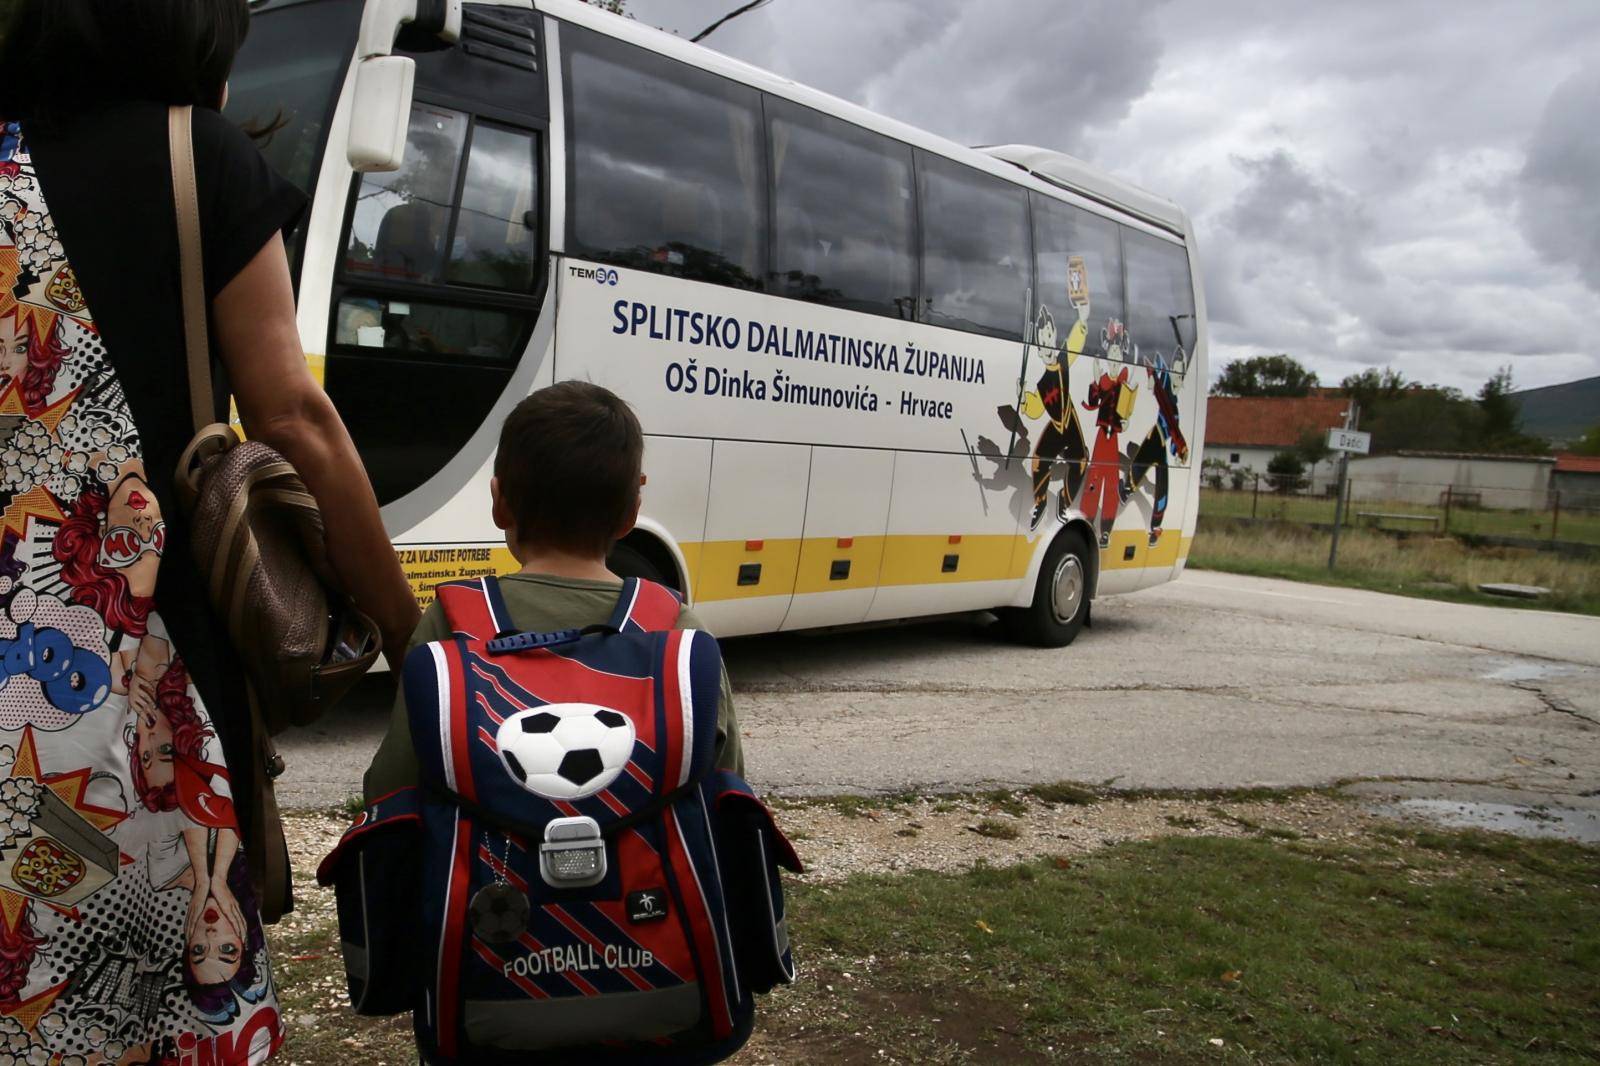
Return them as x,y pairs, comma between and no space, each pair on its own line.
1351,418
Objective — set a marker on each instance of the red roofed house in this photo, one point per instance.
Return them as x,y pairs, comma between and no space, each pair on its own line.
1245,432
1577,479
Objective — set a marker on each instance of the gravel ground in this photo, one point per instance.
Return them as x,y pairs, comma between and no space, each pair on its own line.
836,839
949,835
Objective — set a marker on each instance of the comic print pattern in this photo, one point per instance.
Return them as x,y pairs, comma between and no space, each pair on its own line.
128,932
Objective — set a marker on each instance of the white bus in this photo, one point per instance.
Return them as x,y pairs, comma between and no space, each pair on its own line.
881,375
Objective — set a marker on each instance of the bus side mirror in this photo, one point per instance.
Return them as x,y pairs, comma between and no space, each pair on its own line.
381,113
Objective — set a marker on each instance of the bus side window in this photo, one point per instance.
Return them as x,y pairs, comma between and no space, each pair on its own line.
1160,299
977,255
1080,272
666,164
402,219
845,213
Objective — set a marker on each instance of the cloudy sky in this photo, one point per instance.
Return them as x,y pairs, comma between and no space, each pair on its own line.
1374,182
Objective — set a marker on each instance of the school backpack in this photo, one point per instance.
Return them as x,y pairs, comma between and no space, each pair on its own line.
572,880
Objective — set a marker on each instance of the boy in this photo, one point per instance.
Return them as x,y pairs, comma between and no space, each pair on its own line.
565,489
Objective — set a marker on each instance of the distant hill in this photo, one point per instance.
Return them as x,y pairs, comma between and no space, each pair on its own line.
1560,412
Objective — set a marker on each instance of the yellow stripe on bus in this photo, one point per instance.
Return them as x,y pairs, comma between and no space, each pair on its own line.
807,565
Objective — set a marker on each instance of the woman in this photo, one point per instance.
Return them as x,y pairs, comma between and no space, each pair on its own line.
93,415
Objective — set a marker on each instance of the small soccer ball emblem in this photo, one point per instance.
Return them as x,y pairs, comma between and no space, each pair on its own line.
498,913
565,751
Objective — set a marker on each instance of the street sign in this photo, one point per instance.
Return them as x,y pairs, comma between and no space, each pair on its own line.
1350,440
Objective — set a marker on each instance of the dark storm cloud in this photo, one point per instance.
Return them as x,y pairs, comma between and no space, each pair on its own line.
1293,216
1035,71
1378,182
1559,201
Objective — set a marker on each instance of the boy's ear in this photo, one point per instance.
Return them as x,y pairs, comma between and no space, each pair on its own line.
502,513
633,516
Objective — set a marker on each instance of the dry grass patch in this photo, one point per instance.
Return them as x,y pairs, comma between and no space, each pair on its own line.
1438,567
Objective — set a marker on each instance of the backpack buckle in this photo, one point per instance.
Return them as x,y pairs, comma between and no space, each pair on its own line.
572,855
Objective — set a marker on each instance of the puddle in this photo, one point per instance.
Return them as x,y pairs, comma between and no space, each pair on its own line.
1582,826
1527,670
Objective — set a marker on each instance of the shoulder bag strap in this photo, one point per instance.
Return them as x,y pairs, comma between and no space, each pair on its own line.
265,847
186,199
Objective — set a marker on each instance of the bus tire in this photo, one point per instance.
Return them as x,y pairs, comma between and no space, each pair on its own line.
1060,597
627,561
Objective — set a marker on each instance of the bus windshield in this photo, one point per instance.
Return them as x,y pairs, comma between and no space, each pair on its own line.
289,72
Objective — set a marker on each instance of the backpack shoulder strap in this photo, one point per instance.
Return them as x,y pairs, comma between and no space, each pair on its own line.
475,608
436,686
645,607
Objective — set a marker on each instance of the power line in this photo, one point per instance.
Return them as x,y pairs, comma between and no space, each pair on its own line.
730,16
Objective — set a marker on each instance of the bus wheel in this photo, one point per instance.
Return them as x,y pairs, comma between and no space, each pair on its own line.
627,561
1060,598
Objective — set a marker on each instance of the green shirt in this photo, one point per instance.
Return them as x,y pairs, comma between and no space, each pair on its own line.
538,603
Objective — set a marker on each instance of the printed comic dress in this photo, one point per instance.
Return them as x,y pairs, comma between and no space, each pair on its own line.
128,933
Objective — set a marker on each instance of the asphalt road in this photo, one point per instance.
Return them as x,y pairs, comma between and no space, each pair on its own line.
1214,681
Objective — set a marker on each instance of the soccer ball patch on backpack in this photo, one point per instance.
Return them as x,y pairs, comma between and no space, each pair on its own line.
572,880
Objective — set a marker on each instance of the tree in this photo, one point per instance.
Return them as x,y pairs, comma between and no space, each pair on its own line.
1589,443
1313,447
1286,471
1265,375
1502,419
1373,387
1424,418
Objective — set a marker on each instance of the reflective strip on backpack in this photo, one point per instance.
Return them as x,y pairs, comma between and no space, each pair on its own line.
685,645
441,669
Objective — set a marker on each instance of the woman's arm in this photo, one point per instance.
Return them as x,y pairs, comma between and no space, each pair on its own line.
281,405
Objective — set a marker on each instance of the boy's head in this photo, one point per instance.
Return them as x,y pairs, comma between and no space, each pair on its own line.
566,476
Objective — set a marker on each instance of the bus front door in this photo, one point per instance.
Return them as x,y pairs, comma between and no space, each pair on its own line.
443,266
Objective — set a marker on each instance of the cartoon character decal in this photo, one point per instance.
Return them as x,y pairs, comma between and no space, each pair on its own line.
1166,435
1111,398
1061,438
128,928
1100,476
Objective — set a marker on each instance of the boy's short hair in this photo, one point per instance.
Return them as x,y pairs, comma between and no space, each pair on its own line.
568,465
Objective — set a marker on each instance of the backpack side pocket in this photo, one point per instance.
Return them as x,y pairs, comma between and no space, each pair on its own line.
374,874
751,850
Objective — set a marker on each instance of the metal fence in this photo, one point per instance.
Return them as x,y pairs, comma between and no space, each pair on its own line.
1542,518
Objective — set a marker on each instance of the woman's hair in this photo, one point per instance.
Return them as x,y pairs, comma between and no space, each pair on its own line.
220,1003
189,736
17,949
106,592
46,352
59,56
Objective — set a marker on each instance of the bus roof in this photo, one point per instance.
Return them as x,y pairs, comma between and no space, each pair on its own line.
1039,168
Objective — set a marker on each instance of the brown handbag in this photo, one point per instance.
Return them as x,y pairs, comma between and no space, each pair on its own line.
257,537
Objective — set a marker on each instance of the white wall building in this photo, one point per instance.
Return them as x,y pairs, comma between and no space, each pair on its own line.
1506,482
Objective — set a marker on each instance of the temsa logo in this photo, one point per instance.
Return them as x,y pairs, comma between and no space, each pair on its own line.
600,275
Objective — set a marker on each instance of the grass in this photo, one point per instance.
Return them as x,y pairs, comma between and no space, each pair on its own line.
1575,526
1436,567
996,829
1065,794
1394,946
1459,948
